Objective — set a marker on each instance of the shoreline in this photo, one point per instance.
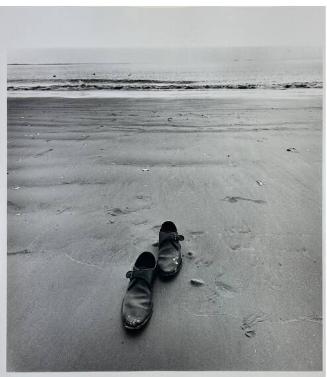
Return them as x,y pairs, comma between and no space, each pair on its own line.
221,93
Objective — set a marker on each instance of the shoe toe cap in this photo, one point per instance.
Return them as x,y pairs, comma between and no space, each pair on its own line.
169,266
133,322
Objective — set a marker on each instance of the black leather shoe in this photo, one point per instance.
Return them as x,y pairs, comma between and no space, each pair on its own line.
169,257
137,303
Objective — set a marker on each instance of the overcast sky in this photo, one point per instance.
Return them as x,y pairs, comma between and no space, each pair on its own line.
157,26
161,26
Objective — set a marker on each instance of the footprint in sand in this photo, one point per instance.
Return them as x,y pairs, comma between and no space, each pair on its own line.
198,261
221,289
197,233
140,222
240,238
143,197
249,323
116,211
133,218
13,207
272,278
59,211
236,230
235,199
224,289
203,262
209,299
203,301
192,255
43,153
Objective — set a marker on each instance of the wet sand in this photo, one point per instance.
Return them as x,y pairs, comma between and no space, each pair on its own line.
80,210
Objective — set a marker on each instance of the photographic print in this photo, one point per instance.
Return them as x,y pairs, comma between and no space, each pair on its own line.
164,181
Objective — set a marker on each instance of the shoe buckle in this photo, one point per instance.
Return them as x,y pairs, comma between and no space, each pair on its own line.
178,237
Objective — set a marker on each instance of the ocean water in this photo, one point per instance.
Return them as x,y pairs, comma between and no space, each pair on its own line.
166,71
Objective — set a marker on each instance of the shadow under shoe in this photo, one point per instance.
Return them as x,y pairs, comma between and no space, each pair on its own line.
137,304
169,255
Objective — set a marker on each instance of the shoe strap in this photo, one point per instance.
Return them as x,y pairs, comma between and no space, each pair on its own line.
146,275
173,236
179,237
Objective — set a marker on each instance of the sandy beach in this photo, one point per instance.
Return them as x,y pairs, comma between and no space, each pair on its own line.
91,180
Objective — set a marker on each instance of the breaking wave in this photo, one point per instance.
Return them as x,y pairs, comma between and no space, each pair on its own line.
143,84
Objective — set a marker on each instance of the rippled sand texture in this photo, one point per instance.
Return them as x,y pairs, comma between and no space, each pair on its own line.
91,180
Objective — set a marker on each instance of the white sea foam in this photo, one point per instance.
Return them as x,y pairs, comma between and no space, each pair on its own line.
177,72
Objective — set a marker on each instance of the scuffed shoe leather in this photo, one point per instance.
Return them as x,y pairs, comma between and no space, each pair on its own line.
169,257
137,303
